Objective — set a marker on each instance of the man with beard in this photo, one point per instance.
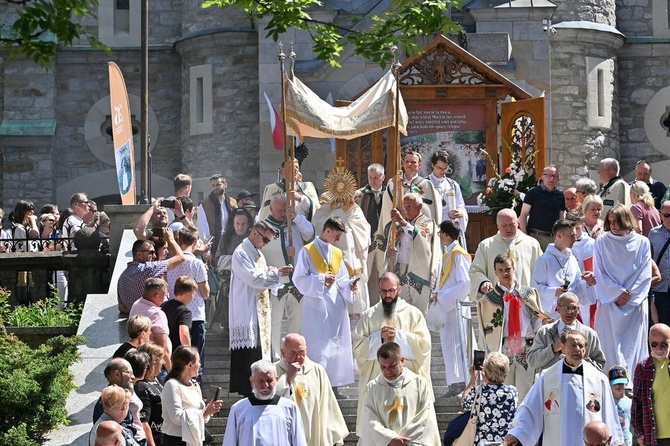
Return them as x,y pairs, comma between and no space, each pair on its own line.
575,382
156,216
264,417
392,319
650,411
307,384
213,211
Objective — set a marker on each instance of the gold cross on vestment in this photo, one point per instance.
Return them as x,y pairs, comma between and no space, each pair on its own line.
512,256
300,393
395,408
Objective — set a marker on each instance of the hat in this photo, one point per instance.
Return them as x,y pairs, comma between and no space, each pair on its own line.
617,375
244,194
249,205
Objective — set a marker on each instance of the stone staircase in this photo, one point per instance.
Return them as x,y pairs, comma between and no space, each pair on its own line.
217,372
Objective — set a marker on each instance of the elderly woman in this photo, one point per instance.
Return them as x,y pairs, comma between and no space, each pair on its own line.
115,403
592,207
497,402
646,215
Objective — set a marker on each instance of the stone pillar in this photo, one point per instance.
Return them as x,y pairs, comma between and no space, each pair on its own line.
583,100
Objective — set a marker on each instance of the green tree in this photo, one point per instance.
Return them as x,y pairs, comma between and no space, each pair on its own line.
43,26
400,24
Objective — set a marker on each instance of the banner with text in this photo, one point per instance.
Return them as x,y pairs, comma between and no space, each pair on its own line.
122,133
460,130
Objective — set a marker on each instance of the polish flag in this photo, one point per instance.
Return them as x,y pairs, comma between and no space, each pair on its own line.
276,124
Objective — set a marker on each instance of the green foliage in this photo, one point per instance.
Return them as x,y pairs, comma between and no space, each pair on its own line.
44,313
43,26
399,25
34,385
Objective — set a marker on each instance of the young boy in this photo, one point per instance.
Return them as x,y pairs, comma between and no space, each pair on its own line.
618,379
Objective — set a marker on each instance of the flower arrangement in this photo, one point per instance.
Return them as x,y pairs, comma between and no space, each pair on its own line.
506,191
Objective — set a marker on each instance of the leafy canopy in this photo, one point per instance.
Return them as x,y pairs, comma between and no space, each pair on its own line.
372,36
43,26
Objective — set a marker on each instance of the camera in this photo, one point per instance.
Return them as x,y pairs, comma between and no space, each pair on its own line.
478,362
167,204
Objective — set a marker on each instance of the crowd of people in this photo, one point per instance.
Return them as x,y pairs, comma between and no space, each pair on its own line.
566,293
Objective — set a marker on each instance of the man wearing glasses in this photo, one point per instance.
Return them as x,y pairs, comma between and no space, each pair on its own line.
392,319
72,224
650,412
249,312
547,348
144,265
542,206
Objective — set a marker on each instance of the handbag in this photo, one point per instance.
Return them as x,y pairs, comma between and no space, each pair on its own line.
467,438
435,314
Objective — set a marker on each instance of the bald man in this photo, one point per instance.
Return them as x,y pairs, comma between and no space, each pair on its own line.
649,413
521,248
596,433
307,384
108,434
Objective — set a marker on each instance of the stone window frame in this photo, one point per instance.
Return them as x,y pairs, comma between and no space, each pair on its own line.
660,18
200,100
599,92
106,32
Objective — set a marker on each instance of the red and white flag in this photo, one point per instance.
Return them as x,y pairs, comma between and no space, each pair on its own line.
276,124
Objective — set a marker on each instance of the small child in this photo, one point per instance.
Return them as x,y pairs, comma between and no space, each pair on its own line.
618,379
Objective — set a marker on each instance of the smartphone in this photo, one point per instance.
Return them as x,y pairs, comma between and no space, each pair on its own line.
214,393
478,361
167,204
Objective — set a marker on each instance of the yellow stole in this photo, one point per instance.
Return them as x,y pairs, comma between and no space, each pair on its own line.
320,263
448,262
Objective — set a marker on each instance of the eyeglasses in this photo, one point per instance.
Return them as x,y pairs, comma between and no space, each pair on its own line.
550,175
570,308
389,291
663,344
665,215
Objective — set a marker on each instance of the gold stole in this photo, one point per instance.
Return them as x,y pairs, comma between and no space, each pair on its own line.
320,263
448,262
263,311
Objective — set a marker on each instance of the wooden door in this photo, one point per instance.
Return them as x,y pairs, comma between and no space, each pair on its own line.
523,129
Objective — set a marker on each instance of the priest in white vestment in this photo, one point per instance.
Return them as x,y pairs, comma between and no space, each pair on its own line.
559,404
307,384
321,276
452,287
412,182
399,405
392,319
622,263
249,305
557,271
521,248
280,253
306,199
264,418
416,255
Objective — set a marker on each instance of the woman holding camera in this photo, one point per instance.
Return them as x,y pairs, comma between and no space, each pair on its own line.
497,403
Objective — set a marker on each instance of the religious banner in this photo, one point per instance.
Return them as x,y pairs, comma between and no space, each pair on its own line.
122,134
460,130
309,115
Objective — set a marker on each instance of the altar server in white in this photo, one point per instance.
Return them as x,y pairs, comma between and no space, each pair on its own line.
622,263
